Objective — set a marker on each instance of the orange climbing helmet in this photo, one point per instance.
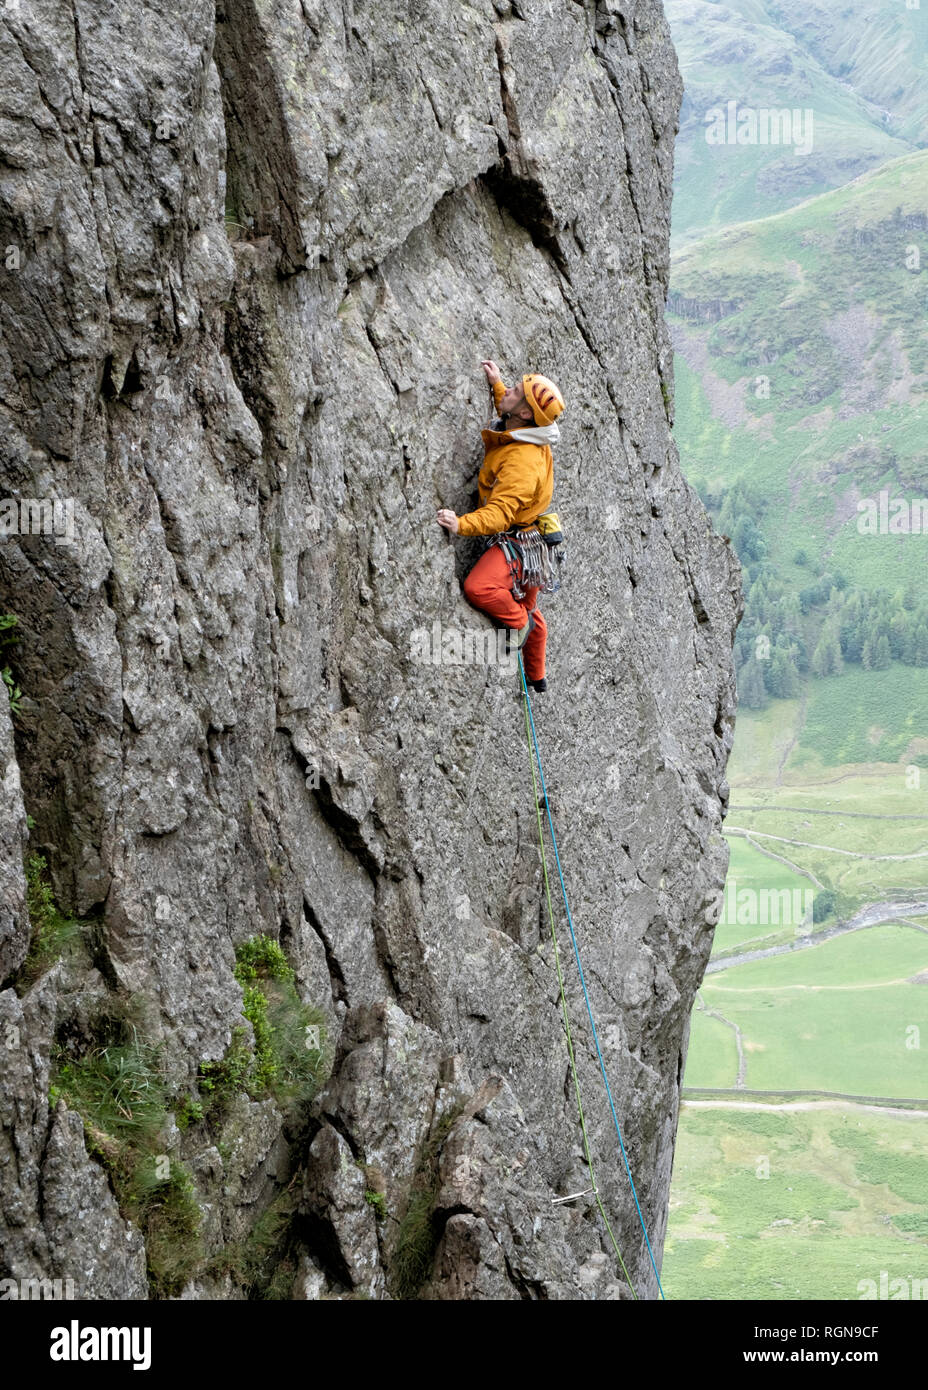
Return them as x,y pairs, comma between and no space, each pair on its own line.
544,398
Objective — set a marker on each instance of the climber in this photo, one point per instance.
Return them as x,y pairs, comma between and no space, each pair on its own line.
515,486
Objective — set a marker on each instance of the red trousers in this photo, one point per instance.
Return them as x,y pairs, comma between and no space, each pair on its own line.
489,588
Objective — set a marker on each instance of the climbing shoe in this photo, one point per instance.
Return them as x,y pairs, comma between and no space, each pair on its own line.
539,685
515,641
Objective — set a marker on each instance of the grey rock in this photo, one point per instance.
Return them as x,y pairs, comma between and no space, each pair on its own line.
91,1244
14,921
335,1190
262,251
310,1282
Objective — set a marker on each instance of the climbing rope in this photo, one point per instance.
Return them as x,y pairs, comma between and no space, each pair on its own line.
560,981
530,732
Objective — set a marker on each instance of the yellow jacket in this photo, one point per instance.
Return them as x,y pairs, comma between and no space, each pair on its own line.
516,481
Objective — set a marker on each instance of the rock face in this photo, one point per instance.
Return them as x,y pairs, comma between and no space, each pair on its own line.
253,255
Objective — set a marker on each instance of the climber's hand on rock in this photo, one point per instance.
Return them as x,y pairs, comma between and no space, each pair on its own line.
448,519
492,371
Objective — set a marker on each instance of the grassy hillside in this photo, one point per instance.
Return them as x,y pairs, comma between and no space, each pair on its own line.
878,50
862,73
801,370
868,715
796,1204
782,279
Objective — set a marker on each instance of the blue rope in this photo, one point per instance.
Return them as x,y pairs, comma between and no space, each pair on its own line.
570,923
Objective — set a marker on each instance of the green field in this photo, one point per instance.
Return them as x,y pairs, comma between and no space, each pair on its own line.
714,1045
751,870
831,814
853,1041
773,741
863,959
847,1196
845,1200
840,823
838,1016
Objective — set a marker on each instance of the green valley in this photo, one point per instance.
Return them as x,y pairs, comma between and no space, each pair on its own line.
797,310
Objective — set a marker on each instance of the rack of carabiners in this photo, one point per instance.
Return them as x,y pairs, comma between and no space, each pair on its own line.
534,554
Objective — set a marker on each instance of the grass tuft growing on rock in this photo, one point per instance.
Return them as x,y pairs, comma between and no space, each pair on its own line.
260,1262
117,1089
261,956
119,1092
8,638
417,1238
166,1210
288,1059
219,1082
188,1111
378,1201
52,931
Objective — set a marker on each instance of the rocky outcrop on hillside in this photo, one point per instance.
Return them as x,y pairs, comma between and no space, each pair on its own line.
254,253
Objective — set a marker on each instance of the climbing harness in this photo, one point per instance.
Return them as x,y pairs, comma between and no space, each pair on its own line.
534,553
532,742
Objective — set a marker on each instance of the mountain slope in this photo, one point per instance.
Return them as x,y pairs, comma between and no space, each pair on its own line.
761,57
801,371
